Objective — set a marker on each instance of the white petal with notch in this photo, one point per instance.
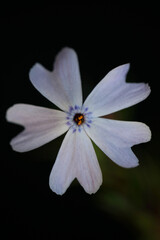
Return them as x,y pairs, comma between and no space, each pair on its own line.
115,139
113,93
62,86
76,159
42,125
120,133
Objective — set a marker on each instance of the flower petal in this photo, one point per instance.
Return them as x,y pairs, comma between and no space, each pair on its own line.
115,138
123,157
64,168
76,159
88,173
41,125
63,85
113,93
119,133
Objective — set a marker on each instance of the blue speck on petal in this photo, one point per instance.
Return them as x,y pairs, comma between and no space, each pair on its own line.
70,109
90,121
76,107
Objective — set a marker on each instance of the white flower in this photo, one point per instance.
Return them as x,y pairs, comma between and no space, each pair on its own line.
76,157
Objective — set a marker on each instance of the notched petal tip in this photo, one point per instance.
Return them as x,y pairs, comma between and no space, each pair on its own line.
11,113
121,70
135,164
126,66
35,70
13,144
148,89
57,190
36,65
148,133
93,190
7,116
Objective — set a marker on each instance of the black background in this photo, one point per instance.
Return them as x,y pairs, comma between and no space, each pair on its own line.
104,36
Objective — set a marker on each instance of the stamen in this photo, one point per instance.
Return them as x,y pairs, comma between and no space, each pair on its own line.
78,118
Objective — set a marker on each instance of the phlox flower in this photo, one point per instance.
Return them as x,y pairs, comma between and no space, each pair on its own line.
83,122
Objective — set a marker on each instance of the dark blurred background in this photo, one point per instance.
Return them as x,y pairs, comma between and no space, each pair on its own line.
104,36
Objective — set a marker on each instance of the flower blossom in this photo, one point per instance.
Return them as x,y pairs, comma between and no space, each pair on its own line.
83,122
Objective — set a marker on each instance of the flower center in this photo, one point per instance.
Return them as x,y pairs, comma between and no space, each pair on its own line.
78,118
